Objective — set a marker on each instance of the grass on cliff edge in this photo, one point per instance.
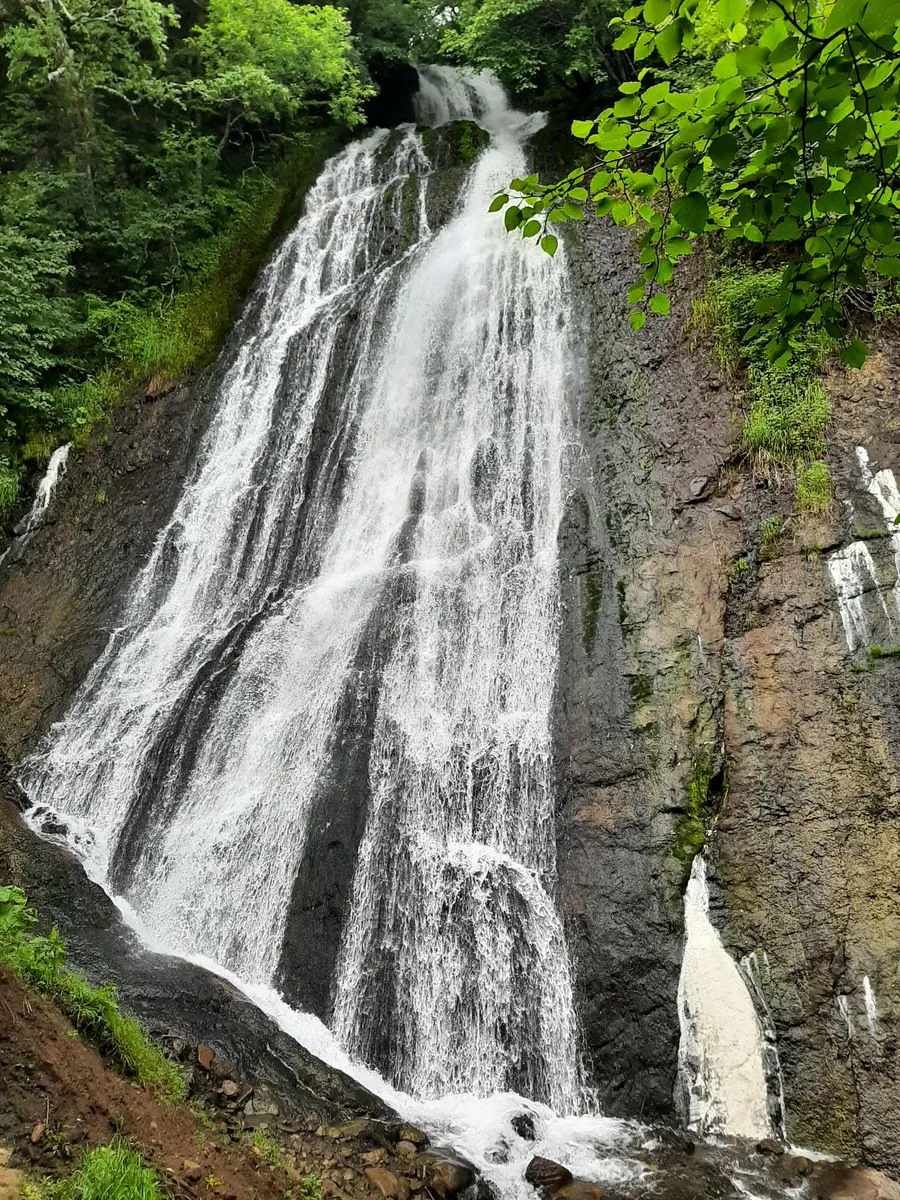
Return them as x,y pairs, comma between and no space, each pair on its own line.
39,962
785,423
113,1172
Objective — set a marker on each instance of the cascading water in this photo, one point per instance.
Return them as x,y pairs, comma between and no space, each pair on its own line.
381,483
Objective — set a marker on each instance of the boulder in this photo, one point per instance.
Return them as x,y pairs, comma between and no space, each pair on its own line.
447,1176
386,1182
839,1182
579,1189
523,1125
546,1175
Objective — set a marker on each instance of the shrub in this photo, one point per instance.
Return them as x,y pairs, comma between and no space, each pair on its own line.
9,485
814,491
726,312
39,962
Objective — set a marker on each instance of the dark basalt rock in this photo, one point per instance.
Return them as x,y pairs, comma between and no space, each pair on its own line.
546,1175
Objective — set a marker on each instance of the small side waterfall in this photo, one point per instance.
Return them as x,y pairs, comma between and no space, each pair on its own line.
722,1077
373,512
34,518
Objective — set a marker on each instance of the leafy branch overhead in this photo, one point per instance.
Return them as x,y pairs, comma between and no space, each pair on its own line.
789,142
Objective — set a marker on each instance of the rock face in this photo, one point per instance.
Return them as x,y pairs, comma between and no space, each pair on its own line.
60,600
707,693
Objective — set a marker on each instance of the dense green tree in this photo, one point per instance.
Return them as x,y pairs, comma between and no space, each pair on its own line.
546,47
134,140
782,133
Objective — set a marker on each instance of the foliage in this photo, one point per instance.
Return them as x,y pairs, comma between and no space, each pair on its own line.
520,40
268,60
144,168
814,491
787,418
39,962
268,1148
786,138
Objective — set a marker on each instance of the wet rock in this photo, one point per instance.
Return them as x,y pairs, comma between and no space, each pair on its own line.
407,1149
386,1182
579,1189
229,1089
448,1175
793,1167
523,1125
546,1175
409,1133
837,1182
769,1146
374,1157
205,1058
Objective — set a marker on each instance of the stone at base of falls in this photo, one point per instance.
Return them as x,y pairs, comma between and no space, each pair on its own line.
175,1000
446,1174
838,1182
546,1175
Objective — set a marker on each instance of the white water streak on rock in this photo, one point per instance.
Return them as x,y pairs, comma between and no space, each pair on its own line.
871,1007
854,573
721,1057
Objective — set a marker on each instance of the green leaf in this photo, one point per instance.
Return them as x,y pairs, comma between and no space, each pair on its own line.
888,266
636,293
582,129
656,11
549,244
660,304
638,320
668,42
729,12
530,228
855,354
511,218
844,12
723,149
498,202
691,211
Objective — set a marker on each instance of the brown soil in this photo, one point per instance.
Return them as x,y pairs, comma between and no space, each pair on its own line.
50,1078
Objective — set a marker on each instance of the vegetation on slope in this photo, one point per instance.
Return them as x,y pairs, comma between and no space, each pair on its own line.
39,962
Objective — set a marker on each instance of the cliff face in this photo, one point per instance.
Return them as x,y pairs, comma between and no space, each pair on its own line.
708,693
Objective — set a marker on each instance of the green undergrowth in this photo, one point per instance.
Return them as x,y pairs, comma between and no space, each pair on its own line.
39,962
787,411
113,1172
163,337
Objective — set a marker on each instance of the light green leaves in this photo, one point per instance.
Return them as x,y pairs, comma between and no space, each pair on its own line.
774,135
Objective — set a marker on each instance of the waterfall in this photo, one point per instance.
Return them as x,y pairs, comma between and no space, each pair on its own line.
722,1084
372,519
34,518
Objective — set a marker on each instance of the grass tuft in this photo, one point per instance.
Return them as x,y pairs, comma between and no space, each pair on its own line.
814,491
